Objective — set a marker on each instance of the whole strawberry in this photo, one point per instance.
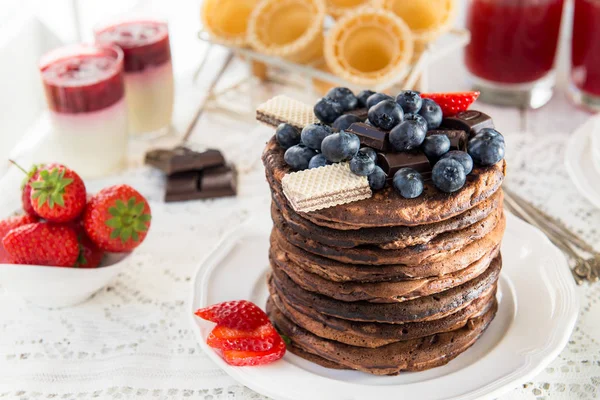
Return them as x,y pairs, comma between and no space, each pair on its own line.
117,218
58,193
26,190
7,225
42,244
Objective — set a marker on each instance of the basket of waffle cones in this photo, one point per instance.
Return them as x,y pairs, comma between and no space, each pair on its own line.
362,42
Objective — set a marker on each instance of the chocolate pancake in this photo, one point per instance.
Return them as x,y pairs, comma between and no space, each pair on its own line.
392,237
368,334
411,355
342,272
379,292
439,248
387,207
425,308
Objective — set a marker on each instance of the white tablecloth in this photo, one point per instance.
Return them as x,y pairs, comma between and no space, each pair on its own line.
132,340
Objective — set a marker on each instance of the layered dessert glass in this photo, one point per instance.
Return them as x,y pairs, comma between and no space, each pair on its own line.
85,92
512,52
585,54
148,72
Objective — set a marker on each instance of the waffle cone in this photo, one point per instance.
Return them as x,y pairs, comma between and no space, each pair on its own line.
338,8
368,46
427,19
227,20
290,29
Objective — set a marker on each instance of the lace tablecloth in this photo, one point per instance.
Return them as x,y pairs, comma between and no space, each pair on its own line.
132,340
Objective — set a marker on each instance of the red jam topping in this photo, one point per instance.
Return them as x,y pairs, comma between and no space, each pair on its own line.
83,81
144,43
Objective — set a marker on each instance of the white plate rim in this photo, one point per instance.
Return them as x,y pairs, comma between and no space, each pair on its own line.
535,361
580,164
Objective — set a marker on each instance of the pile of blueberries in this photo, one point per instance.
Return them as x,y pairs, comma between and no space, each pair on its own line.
408,117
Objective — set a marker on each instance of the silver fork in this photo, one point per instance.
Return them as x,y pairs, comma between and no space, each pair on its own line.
583,269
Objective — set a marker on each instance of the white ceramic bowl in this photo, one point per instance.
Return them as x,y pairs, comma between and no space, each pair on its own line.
57,287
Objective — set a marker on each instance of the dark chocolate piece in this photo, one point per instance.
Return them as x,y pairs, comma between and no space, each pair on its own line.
458,139
210,183
183,182
470,121
370,136
361,113
392,162
181,159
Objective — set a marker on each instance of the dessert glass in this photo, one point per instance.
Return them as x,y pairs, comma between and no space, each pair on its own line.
513,48
85,93
585,54
148,72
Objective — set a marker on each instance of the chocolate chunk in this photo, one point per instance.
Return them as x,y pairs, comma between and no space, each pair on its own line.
470,121
458,139
361,113
392,162
210,183
181,159
370,136
183,182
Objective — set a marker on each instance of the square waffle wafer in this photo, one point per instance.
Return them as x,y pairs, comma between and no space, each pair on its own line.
324,187
283,109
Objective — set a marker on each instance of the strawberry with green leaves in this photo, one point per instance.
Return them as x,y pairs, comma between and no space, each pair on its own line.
7,225
90,255
117,218
42,244
57,193
32,174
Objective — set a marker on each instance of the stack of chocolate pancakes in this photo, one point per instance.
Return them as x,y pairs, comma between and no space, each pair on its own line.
386,284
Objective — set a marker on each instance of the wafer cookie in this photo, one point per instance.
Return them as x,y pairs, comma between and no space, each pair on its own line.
324,187
283,109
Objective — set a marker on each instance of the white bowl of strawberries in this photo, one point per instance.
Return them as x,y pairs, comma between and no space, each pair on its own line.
67,245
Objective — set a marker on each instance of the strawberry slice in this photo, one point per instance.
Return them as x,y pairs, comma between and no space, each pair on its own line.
239,314
452,103
241,358
262,338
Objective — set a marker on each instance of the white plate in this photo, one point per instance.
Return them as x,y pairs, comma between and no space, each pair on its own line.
538,310
580,161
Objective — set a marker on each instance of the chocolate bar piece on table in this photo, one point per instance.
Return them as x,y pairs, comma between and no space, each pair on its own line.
371,136
458,139
470,121
206,184
182,159
392,162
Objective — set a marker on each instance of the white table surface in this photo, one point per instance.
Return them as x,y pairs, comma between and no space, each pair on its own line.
132,339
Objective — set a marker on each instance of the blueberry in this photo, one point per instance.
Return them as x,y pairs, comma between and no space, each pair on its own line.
318,161
432,114
328,110
298,157
344,96
312,135
448,175
408,182
462,157
377,98
344,122
410,101
362,165
435,146
408,135
363,96
340,146
487,147
386,115
377,179
370,152
418,118
287,135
